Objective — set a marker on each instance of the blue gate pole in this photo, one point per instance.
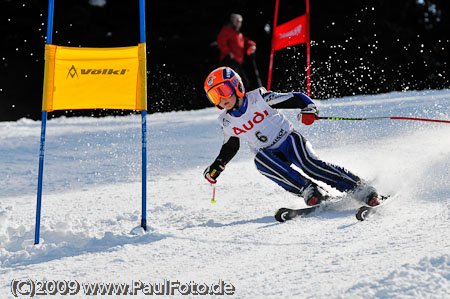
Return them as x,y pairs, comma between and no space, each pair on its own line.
41,172
144,170
51,5
144,125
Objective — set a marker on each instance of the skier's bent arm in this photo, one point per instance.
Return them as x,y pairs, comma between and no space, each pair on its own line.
309,111
289,100
227,152
229,149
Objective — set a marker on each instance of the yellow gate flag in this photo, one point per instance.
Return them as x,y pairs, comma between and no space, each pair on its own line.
95,78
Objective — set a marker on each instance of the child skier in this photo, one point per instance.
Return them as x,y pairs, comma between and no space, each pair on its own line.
253,117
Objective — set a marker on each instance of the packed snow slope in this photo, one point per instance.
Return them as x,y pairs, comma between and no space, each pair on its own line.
91,205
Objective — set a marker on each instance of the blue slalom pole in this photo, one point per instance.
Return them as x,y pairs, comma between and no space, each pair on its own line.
40,175
142,39
144,170
142,21
51,9
51,6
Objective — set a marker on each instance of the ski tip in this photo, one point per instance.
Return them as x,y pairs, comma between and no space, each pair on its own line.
281,215
362,213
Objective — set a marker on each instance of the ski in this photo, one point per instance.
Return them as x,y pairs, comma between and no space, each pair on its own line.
285,214
364,211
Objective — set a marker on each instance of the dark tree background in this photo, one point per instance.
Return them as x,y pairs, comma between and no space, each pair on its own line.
358,47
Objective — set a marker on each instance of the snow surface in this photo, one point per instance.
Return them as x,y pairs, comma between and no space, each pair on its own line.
91,205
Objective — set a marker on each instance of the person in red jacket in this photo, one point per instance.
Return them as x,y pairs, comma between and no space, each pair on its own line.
233,46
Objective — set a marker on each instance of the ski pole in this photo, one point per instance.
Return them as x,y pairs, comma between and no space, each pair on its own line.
383,117
213,199
255,69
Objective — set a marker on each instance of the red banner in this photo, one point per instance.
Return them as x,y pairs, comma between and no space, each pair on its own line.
291,33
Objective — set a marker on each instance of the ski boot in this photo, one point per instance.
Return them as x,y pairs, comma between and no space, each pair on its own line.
373,200
314,195
367,194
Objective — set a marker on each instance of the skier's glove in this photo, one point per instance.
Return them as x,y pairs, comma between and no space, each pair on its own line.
309,114
213,171
251,50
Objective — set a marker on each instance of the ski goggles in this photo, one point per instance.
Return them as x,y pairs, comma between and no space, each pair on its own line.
222,90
